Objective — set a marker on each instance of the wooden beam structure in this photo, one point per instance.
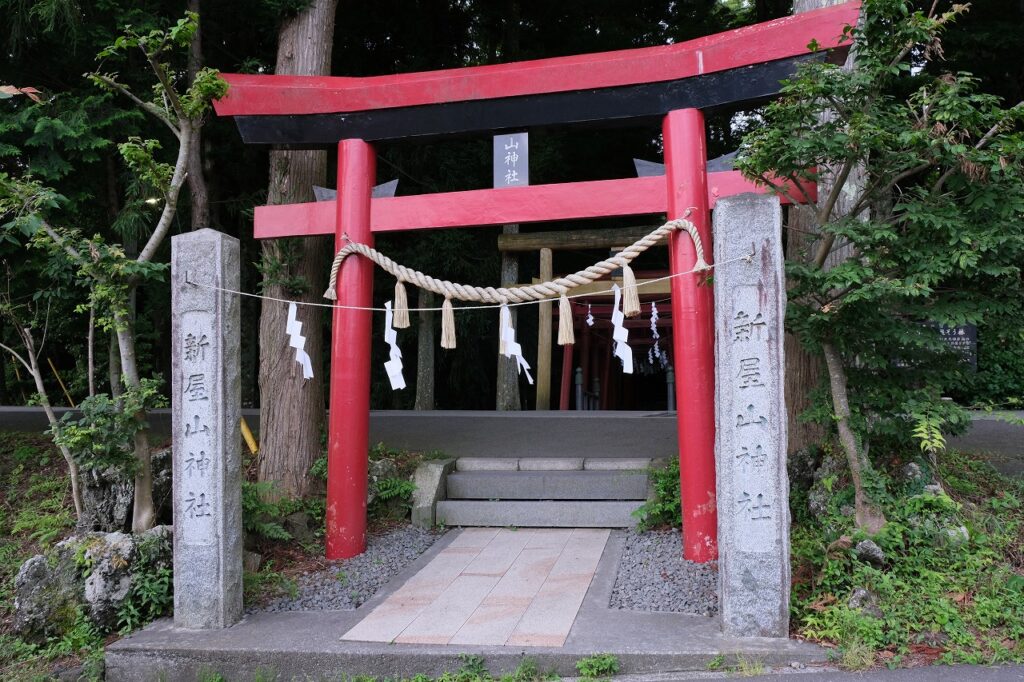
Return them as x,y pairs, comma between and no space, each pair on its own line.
264,95
534,203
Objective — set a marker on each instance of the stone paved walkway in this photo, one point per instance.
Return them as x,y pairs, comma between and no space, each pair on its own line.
492,586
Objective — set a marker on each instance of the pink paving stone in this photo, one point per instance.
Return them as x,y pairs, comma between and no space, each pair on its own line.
388,620
526,575
500,554
493,621
473,537
491,586
550,537
551,614
439,622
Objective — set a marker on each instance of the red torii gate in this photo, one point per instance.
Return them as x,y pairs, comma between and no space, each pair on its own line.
673,83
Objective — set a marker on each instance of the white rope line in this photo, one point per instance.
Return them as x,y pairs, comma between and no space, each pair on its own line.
489,306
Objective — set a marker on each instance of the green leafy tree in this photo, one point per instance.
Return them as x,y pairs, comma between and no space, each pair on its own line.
34,210
932,234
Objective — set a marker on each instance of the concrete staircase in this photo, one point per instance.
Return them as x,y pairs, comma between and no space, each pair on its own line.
544,492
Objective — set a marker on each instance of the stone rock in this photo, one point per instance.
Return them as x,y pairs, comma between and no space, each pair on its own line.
934,489
107,496
162,484
865,601
870,552
952,536
251,561
89,574
912,472
298,527
818,496
379,470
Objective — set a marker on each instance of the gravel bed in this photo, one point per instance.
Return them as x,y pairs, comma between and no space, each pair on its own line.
653,576
345,585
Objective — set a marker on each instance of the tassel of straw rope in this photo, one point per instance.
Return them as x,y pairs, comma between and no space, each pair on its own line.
401,315
533,292
447,324
565,322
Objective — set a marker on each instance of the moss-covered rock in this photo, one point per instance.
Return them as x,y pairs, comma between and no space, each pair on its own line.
90,574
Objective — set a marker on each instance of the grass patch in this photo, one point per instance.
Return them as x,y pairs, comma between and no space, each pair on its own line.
951,588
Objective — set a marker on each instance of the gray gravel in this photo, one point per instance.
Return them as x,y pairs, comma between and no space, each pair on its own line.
653,576
345,585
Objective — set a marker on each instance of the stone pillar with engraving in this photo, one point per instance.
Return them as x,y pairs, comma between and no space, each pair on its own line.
750,440
206,407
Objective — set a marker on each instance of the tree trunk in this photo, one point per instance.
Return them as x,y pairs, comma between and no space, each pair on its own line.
868,514
44,401
90,355
425,352
804,369
143,510
292,408
199,194
114,366
508,370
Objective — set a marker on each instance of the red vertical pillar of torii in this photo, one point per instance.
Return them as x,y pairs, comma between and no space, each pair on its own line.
349,423
693,332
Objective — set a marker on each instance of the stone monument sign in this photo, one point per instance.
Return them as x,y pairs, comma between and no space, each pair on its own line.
750,438
206,404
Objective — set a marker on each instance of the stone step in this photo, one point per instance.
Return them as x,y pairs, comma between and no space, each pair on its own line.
554,463
547,485
538,514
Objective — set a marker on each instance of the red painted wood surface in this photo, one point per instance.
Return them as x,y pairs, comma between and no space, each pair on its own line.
565,387
349,435
787,37
536,203
693,333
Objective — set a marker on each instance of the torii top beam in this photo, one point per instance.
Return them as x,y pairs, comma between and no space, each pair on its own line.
743,65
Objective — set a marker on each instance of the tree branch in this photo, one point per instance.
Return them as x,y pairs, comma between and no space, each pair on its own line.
171,199
16,355
985,139
148,107
172,94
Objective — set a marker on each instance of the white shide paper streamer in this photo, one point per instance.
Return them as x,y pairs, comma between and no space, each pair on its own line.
297,341
509,346
620,334
393,366
655,352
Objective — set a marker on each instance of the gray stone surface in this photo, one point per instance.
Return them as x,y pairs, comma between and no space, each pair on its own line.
430,479
305,644
654,576
91,573
487,464
617,464
551,464
750,447
548,485
537,514
206,407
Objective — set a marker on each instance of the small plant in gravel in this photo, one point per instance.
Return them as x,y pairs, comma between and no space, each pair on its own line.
598,666
665,508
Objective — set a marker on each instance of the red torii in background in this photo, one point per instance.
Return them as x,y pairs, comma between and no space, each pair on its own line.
673,83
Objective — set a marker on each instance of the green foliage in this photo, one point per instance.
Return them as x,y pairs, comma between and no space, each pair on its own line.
950,578
266,584
139,155
260,516
104,434
598,666
665,509
395,489
152,589
937,225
